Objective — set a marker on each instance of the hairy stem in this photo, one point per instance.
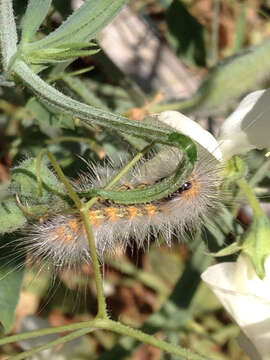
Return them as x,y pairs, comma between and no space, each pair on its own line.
152,130
8,33
251,197
102,312
60,341
105,324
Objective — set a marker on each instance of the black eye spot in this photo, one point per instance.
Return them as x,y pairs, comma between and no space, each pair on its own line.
186,186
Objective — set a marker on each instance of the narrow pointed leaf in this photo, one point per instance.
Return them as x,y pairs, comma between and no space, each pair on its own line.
35,14
8,33
83,25
11,278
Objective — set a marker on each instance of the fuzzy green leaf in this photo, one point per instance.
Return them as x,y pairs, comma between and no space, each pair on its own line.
24,183
8,33
35,14
11,278
11,217
83,25
48,117
229,250
57,55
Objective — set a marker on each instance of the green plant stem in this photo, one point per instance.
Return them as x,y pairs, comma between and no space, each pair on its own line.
260,173
8,33
71,191
93,145
251,197
72,73
215,32
180,105
57,342
102,309
85,112
70,139
48,331
151,340
123,172
152,130
105,324
240,27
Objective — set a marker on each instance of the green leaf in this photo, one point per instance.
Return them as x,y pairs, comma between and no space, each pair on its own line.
186,34
48,117
229,250
57,55
11,216
24,183
186,144
8,39
83,25
35,14
81,89
11,278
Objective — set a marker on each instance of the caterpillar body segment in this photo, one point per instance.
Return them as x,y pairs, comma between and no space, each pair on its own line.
62,239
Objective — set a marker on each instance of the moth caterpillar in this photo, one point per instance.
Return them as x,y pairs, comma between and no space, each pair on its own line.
62,240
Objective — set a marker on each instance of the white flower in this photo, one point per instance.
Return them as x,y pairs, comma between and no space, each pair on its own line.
247,300
248,127
192,129
243,294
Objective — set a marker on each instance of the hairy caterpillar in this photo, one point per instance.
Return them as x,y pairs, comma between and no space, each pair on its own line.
61,238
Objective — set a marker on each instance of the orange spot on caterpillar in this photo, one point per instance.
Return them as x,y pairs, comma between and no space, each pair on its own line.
68,238
133,212
61,231
112,212
96,217
60,234
151,210
74,224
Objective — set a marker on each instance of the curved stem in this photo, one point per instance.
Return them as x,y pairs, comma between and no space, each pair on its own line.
8,33
71,191
105,324
251,197
151,340
59,341
152,130
102,308
48,331
180,105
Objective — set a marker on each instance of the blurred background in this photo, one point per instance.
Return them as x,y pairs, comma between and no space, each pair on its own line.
199,57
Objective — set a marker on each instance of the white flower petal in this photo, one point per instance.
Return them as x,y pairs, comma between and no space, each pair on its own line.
248,127
245,297
188,127
250,349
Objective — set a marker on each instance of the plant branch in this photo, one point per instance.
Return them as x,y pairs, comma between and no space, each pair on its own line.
102,312
152,130
8,33
57,342
251,197
105,324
